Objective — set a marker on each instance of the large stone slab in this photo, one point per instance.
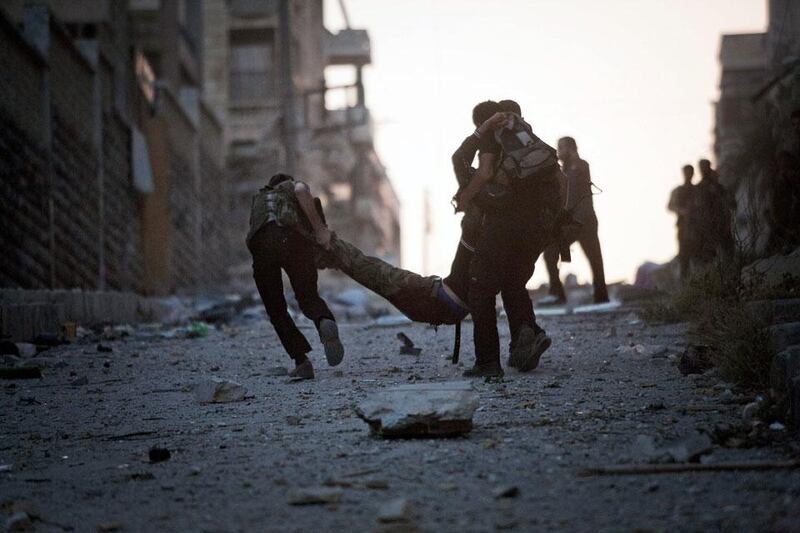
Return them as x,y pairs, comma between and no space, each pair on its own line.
421,410
784,335
776,311
785,367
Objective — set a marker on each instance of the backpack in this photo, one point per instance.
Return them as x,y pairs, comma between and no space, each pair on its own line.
525,156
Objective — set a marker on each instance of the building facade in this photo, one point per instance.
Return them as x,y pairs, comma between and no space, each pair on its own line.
759,90
264,72
112,172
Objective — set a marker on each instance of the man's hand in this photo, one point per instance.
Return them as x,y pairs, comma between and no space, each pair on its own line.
323,236
492,123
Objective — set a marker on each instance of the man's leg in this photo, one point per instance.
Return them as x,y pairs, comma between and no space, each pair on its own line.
270,287
529,341
486,273
556,287
302,271
590,244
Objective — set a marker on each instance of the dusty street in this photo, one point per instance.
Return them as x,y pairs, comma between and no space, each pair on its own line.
75,444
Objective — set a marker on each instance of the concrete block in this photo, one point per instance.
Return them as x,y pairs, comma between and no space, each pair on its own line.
785,367
794,404
776,311
784,335
22,322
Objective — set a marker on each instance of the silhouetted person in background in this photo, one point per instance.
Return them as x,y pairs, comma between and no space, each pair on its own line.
285,229
680,203
577,190
711,216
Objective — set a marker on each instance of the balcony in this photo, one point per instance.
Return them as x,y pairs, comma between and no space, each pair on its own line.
347,47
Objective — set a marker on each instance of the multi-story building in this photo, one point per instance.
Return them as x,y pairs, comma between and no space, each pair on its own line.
264,72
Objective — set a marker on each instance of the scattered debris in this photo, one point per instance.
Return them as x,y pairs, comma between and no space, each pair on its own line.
508,491
696,359
158,455
315,496
408,347
388,321
688,449
19,521
644,350
21,372
197,330
26,349
421,410
219,391
626,470
397,510
108,527
79,382
102,348
379,484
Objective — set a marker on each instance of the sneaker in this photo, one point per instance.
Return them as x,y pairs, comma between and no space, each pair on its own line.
528,349
302,370
329,336
484,370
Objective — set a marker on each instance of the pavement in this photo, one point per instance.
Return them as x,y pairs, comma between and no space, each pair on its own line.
74,446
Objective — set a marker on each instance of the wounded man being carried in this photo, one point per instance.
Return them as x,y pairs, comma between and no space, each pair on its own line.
421,298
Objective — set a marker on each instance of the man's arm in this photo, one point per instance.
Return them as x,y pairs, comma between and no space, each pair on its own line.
462,160
306,201
482,176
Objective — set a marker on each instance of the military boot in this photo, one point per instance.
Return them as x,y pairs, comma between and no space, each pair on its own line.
528,348
303,368
491,369
329,336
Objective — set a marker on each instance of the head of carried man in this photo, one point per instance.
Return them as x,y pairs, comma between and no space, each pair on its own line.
567,148
277,179
484,111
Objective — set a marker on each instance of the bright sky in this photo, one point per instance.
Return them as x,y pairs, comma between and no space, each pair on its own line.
632,80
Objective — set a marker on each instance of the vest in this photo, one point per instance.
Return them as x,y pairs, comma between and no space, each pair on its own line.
277,205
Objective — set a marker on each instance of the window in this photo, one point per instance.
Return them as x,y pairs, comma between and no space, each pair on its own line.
252,67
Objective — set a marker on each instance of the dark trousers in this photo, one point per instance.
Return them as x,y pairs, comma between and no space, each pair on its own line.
275,248
504,261
586,236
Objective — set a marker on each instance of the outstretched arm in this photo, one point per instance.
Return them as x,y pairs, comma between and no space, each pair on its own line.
306,201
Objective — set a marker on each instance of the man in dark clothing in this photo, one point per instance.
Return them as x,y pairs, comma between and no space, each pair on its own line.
577,190
680,203
509,242
712,216
285,228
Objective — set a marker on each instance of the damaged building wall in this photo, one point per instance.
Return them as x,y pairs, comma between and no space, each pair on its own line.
333,148
759,89
76,213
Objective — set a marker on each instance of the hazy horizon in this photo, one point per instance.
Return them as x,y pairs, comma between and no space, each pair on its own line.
632,81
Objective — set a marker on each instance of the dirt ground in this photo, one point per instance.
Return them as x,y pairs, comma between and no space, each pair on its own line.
74,445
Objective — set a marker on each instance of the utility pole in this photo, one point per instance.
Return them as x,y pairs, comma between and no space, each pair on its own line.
287,84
